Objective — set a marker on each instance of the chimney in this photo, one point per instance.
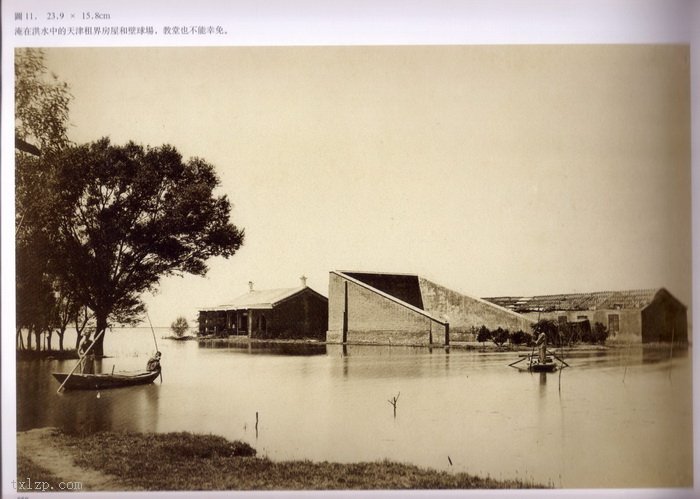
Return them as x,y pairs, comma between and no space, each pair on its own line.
303,281
250,285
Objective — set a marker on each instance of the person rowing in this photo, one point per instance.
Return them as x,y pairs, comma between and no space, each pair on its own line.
87,355
542,348
153,363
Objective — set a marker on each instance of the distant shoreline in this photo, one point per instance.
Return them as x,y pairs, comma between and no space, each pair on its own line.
71,354
458,345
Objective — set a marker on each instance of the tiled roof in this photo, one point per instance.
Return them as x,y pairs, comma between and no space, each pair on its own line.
265,298
638,298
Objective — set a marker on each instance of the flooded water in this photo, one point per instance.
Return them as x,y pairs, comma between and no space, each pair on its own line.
620,418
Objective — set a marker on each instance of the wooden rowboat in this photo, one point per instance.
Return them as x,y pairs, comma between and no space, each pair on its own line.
533,362
103,381
546,367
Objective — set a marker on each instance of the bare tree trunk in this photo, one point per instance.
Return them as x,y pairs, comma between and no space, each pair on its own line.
60,333
81,323
20,340
101,320
29,339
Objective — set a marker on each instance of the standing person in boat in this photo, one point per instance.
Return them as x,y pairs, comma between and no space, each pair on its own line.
541,347
153,363
88,366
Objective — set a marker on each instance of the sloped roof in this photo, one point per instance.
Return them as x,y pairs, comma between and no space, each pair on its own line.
636,298
405,287
264,298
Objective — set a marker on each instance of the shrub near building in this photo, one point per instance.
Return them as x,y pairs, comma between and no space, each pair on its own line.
500,337
599,334
484,334
557,334
520,337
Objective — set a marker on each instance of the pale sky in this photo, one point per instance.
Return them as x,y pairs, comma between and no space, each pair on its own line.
492,170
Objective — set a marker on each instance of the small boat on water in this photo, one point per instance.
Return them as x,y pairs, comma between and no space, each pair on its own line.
91,381
547,366
102,381
533,363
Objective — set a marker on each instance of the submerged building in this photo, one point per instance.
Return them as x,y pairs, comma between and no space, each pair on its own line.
406,309
286,313
647,315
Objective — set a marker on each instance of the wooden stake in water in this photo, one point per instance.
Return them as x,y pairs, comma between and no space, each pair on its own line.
393,402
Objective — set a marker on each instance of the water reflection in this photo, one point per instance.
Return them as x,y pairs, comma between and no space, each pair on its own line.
292,401
656,354
384,361
85,412
263,347
39,405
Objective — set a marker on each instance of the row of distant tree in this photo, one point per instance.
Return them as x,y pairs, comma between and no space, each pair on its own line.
557,334
97,225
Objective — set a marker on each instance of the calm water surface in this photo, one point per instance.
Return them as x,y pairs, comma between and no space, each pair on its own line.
621,418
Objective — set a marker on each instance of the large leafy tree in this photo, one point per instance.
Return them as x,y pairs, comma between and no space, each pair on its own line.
41,104
41,121
122,217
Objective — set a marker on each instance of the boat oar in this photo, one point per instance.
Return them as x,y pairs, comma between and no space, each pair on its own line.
556,357
82,357
512,364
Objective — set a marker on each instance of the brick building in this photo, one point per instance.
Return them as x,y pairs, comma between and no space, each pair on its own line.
647,315
381,308
287,313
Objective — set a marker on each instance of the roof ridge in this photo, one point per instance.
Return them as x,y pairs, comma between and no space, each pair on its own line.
577,293
347,272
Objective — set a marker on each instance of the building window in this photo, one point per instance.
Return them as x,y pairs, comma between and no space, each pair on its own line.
582,317
613,324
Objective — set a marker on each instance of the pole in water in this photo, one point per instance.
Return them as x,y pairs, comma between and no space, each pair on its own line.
160,372
79,361
560,370
152,331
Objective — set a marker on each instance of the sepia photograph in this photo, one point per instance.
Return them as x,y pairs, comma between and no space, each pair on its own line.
359,250
378,267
